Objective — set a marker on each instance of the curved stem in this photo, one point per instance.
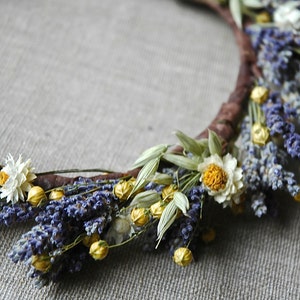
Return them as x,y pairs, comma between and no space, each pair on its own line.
225,123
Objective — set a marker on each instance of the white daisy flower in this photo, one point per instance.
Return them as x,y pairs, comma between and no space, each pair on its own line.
15,179
222,178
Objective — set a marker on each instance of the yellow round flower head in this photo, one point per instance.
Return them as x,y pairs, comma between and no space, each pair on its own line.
123,189
263,17
260,134
157,209
41,262
90,239
36,196
56,194
99,250
297,197
183,256
259,94
167,192
139,216
214,177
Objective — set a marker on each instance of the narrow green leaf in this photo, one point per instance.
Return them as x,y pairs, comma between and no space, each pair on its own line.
167,219
149,154
148,170
189,144
161,178
182,202
145,199
214,143
236,11
181,161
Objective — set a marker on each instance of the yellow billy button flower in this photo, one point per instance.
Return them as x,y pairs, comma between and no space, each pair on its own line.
183,256
36,196
99,250
259,94
3,177
263,17
208,235
123,189
157,209
167,192
90,239
41,262
297,197
260,134
56,194
139,216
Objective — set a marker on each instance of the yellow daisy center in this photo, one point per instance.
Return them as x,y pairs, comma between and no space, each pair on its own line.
3,177
215,178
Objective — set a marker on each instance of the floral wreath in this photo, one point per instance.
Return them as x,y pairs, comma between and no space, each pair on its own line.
239,162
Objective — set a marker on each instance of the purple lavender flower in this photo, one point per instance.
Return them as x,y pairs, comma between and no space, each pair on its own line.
292,144
60,228
274,48
16,213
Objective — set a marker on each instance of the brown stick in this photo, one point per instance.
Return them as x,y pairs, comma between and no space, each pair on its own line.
227,119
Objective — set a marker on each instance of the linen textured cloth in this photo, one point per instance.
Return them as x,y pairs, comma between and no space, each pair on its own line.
92,83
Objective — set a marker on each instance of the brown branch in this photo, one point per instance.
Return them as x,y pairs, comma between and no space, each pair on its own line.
230,114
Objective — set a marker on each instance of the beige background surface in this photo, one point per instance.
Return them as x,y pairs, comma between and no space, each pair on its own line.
94,83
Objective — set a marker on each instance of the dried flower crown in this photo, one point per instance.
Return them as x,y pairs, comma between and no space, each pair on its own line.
169,189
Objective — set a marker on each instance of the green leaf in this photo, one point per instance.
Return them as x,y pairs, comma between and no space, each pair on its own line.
181,161
182,202
161,178
236,11
214,143
189,144
256,4
168,217
145,199
148,170
150,154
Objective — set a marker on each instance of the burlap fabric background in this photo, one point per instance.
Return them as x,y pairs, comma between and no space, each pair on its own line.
94,83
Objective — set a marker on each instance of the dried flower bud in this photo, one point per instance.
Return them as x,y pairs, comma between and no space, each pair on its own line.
139,216
41,262
36,196
297,197
263,17
167,193
99,250
260,134
90,239
259,94
183,256
56,194
3,177
157,209
208,235
123,189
